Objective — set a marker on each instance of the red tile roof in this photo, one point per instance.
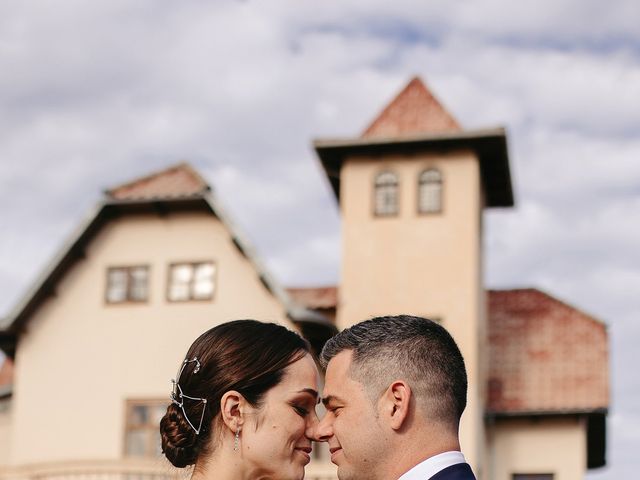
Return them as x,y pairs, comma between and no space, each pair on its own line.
544,355
178,181
414,110
6,372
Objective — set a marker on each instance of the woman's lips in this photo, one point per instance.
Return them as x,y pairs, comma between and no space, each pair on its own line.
306,452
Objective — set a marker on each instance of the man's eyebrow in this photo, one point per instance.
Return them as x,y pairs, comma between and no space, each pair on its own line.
331,399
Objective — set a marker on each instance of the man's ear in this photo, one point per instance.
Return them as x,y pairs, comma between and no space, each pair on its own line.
397,399
232,405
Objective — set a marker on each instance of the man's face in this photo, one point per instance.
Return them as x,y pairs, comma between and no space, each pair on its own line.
351,425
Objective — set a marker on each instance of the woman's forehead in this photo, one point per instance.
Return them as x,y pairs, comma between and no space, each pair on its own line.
302,375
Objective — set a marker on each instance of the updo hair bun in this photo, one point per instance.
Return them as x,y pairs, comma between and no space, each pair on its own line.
179,440
246,356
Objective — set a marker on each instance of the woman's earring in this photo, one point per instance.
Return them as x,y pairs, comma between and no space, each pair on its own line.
236,441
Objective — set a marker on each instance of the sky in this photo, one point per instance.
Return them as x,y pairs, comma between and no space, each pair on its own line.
93,94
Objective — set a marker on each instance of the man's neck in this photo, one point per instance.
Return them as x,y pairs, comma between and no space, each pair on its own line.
410,454
434,465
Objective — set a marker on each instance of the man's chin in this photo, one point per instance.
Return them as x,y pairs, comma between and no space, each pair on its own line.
345,473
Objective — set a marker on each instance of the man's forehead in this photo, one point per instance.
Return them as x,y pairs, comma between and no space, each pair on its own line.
339,365
337,373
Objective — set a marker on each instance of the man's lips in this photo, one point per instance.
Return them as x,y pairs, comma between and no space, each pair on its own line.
334,451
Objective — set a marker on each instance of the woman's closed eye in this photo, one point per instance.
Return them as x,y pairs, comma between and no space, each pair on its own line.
302,411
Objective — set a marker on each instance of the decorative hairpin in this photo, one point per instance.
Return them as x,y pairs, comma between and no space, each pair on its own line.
177,393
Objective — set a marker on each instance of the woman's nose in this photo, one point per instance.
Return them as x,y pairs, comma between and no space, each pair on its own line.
312,427
323,429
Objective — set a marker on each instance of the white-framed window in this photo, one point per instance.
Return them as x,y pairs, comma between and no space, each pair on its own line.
127,284
386,194
191,281
142,427
430,191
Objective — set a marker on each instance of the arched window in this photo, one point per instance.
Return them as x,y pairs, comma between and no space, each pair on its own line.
430,191
386,194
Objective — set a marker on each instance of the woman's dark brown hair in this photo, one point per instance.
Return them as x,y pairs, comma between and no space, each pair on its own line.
244,355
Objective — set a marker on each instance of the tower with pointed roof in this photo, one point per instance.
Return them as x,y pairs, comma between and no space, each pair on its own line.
411,191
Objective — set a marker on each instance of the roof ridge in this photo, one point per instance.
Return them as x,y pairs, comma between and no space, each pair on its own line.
415,109
177,180
559,301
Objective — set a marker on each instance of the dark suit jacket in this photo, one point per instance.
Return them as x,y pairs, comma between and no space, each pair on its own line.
459,471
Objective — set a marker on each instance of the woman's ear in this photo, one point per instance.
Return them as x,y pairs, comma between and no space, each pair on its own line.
232,410
397,399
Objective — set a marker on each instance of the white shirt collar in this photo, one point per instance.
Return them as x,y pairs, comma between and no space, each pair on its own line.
433,465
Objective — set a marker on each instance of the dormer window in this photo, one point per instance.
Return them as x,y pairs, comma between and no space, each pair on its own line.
386,194
191,281
127,284
430,191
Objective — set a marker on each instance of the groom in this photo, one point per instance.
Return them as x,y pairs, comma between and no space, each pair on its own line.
394,392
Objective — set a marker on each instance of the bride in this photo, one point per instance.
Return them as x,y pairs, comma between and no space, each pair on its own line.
243,404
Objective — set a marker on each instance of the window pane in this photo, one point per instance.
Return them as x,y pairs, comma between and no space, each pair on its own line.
203,289
386,200
204,271
127,283
142,434
157,442
181,273
386,178
179,292
158,413
139,282
136,442
430,176
386,194
139,274
430,197
203,284
117,285
139,414
430,191
180,278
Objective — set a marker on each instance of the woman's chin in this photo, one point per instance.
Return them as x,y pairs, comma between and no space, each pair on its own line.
297,471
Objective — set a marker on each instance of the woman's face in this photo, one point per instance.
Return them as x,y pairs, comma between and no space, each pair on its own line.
276,438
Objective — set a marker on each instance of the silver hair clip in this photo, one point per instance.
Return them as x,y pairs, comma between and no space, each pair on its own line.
177,393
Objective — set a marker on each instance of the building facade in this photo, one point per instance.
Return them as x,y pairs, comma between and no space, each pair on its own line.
158,262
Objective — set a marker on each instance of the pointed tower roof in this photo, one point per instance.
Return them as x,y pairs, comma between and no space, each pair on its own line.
414,110
415,122
178,181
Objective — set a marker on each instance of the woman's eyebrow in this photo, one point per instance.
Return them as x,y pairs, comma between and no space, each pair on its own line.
310,391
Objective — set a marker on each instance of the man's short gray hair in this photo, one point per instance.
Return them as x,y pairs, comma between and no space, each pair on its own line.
414,349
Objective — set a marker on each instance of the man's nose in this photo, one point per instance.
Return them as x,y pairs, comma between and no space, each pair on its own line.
324,429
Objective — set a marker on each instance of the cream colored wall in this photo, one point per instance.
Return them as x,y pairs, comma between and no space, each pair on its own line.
555,446
5,431
427,265
81,359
